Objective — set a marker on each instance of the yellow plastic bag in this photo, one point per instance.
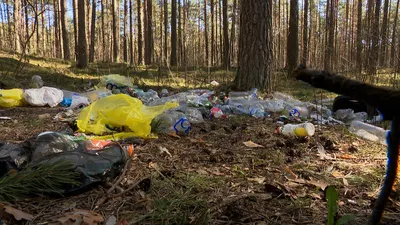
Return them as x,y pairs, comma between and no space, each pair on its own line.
11,98
121,115
115,79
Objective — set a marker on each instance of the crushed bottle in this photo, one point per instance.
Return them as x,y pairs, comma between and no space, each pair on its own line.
300,130
365,130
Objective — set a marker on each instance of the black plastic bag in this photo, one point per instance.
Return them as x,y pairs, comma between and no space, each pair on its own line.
12,157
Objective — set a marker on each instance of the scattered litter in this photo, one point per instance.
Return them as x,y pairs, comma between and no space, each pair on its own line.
301,130
214,83
251,144
5,118
11,98
43,96
164,150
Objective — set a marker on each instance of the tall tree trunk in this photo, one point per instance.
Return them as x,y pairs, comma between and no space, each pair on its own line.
226,35
173,33
330,38
383,54
57,45
212,33
149,42
206,34
293,37
233,32
394,37
305,32
28,44
359,37
2,29
132,46
11,41
255,30
82,57
165,59
37,31
115,30
74,19
103,28
17,30
179,49
375,40
65,31
221,45
139,24
125,41
93,32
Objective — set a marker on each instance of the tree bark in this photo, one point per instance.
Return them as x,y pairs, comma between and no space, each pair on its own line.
67,55
56,30
233,31
132,46
17,30
227,59
179,49
375,41
173,33
165,60
359,37
115,30
149,42
125,41
394,37
212,33
293,37
82,57
305,32
93,32
28,43
74,18
255,30
139,24
383,54
206,34
103,37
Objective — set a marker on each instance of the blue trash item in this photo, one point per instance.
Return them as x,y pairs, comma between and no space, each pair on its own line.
66,102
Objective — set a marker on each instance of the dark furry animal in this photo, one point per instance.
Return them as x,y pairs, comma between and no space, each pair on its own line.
386,101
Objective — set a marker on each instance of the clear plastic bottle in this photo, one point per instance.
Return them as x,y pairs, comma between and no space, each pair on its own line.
248,95
300,130
164,93
363,130
147,97
299,111
172,122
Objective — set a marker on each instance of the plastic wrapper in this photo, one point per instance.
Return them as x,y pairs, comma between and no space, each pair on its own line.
12,157
115,81
119,115
11,98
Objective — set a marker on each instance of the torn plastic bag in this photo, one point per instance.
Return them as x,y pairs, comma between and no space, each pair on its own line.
11,98
44,96
12,157
119,115
94,167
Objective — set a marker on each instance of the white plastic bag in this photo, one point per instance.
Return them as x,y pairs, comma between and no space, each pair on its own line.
79,102
43,96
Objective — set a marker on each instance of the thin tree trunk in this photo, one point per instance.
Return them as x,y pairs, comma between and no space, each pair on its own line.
103,37
65,31
180,53
74,18
173,33
226,35
2,29
305,32
125,41
115,29
11,41
82,57
383,52
165,59
394,37
139,24
359,37
375,40
212,33
56,29
233,32
17,8
221,43
92,32
28,44
293,37
131,31
206,34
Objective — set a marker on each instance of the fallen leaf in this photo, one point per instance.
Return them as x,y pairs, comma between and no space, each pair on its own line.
337,174
259,180
251,144
154,166
346,156
194,140
290,173
345,182
122,222
315,196
16,213
319,184
174,135
322,153
164,150
85,216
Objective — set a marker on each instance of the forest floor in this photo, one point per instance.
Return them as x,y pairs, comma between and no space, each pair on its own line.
210,175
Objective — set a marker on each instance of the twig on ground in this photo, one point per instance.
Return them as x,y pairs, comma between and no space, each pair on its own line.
130,188
120,177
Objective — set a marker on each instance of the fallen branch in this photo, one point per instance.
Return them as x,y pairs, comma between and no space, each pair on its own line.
120,177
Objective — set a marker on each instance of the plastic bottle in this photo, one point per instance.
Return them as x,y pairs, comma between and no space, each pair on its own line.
299,111
257,112
274,105
193,115
148,96
98,94
248,95
172,122
164,93
79,102
216,112
363,130
300,130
